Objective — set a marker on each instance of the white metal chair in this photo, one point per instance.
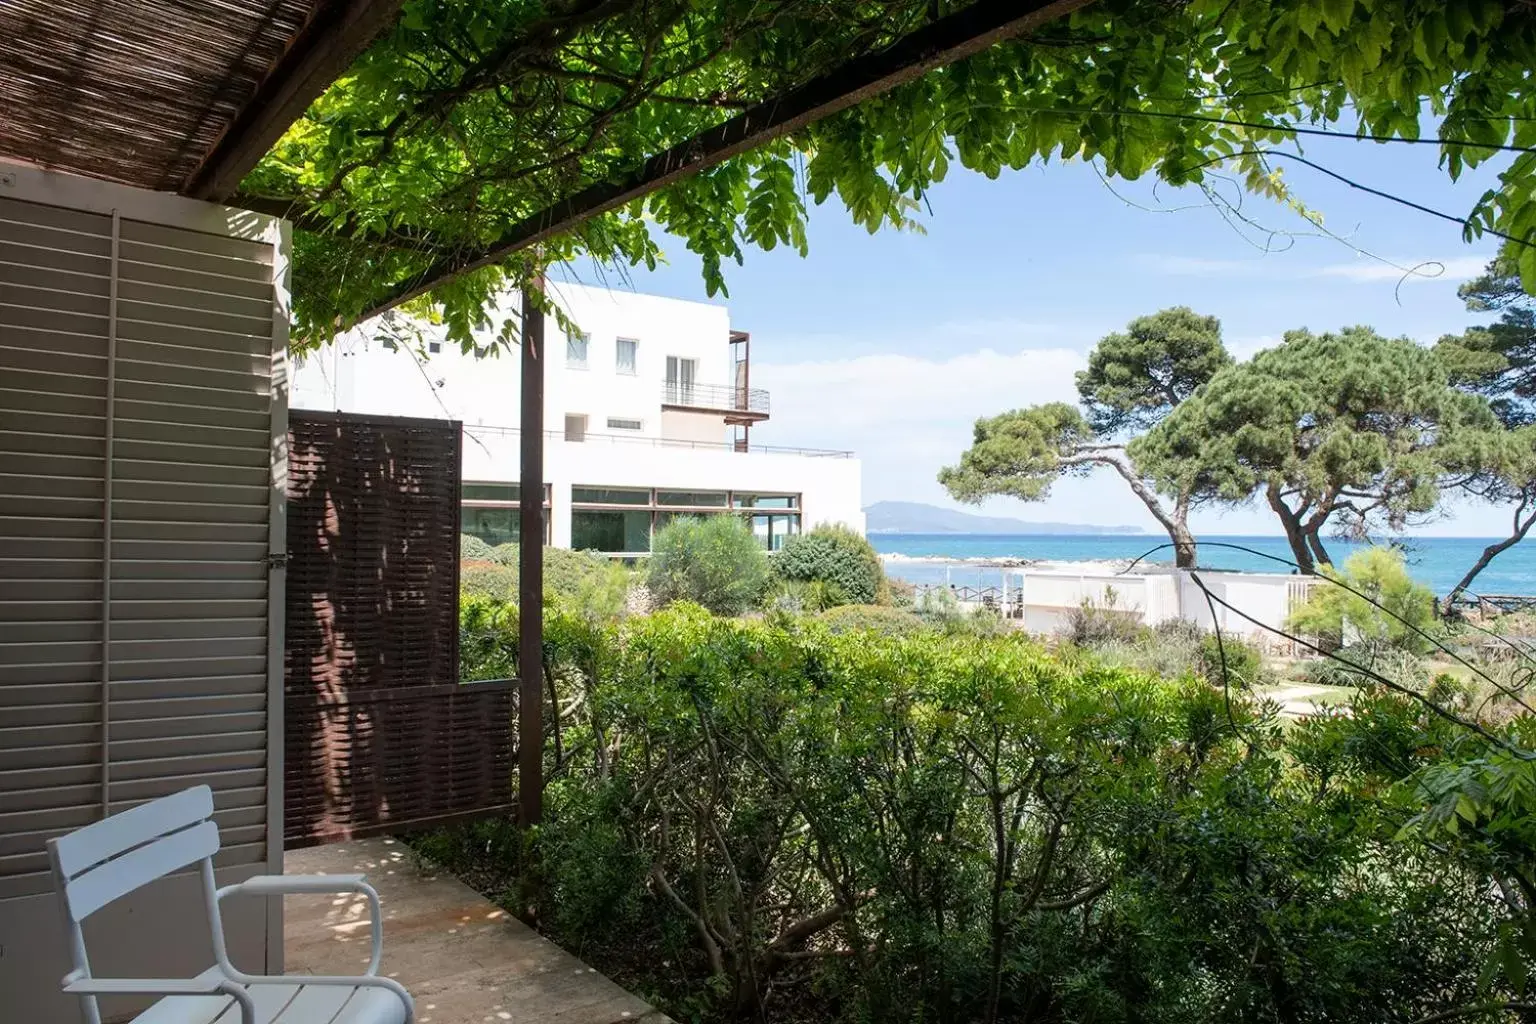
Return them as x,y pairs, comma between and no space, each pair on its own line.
102,862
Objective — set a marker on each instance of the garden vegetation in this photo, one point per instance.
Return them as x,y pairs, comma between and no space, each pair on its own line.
790,819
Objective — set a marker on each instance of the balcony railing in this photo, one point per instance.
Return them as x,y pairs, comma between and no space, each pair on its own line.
727,397
476,430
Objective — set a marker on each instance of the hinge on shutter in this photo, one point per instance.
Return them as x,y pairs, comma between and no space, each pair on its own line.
277,560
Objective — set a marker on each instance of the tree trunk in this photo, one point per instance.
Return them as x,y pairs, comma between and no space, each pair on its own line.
1315,545
1522,526
1176,524
1295,532
1184,551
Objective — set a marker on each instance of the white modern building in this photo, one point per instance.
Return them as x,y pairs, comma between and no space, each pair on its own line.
650,412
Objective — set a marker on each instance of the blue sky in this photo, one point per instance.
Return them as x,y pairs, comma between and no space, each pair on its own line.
893,344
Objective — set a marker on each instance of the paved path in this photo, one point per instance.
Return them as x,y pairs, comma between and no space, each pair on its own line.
465,960
1298,700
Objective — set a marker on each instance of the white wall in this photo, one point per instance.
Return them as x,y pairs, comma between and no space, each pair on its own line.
829,487
357,374
1049,596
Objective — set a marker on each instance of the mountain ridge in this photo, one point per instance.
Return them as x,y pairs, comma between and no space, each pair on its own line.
917,517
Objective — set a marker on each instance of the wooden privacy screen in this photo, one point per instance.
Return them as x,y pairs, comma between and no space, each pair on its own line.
378,734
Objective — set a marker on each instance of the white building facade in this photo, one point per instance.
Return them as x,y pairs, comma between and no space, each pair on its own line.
649,413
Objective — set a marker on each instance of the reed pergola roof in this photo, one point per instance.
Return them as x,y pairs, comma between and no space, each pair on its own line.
180,96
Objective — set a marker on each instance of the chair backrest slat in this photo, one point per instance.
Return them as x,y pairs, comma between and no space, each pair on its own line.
115,836
87,893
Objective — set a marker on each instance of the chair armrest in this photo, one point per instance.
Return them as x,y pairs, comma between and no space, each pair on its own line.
279,885
76,984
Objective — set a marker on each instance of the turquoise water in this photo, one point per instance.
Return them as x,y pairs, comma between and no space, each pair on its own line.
1437,562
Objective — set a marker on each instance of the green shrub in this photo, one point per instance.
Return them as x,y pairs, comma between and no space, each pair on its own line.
582,581
874,618
713,561
489,580
885,793
1095,623
837,556
798,596
938,606
1243,663
473,549
1407,609
487,637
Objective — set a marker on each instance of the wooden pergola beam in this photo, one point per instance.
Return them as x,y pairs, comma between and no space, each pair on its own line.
960,35
334,37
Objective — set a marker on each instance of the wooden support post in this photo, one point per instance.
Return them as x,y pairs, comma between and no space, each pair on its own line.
530,563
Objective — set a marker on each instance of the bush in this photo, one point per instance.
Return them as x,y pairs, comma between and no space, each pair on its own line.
795,597
884,793
1243,663
487,638
488,579
1339,617
473,549
837,556
582,581
872,618
1096,623
712,561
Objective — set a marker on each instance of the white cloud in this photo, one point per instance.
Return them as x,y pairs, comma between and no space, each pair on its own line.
1364,270
1245,348
906,417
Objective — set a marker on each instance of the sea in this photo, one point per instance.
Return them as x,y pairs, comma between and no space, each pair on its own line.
960,558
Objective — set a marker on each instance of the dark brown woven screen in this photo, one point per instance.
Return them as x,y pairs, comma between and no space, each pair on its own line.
379,735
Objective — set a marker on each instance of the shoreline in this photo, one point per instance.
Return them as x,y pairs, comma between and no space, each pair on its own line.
1086,565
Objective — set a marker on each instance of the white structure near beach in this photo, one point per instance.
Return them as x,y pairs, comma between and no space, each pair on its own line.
650,413
1251,605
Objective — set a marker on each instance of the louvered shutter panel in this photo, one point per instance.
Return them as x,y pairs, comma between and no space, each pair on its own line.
136,520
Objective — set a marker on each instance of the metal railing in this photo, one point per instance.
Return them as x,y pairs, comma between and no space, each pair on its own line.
662,442
715,396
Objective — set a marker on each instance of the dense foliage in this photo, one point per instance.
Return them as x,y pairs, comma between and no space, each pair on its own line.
714,561
577,580
1336,431
1498,361
1133,382
835,556
877,618
772,821
1382,605
466,119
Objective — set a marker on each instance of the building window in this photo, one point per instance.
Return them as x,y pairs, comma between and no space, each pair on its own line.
434,346
604,518
772,531
610,496
611,531
490,492
616,423
740,500
575,426
681,374
576,350
692,499
625,356
389,345
490,511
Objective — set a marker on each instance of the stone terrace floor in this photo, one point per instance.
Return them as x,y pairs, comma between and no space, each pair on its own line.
464,960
